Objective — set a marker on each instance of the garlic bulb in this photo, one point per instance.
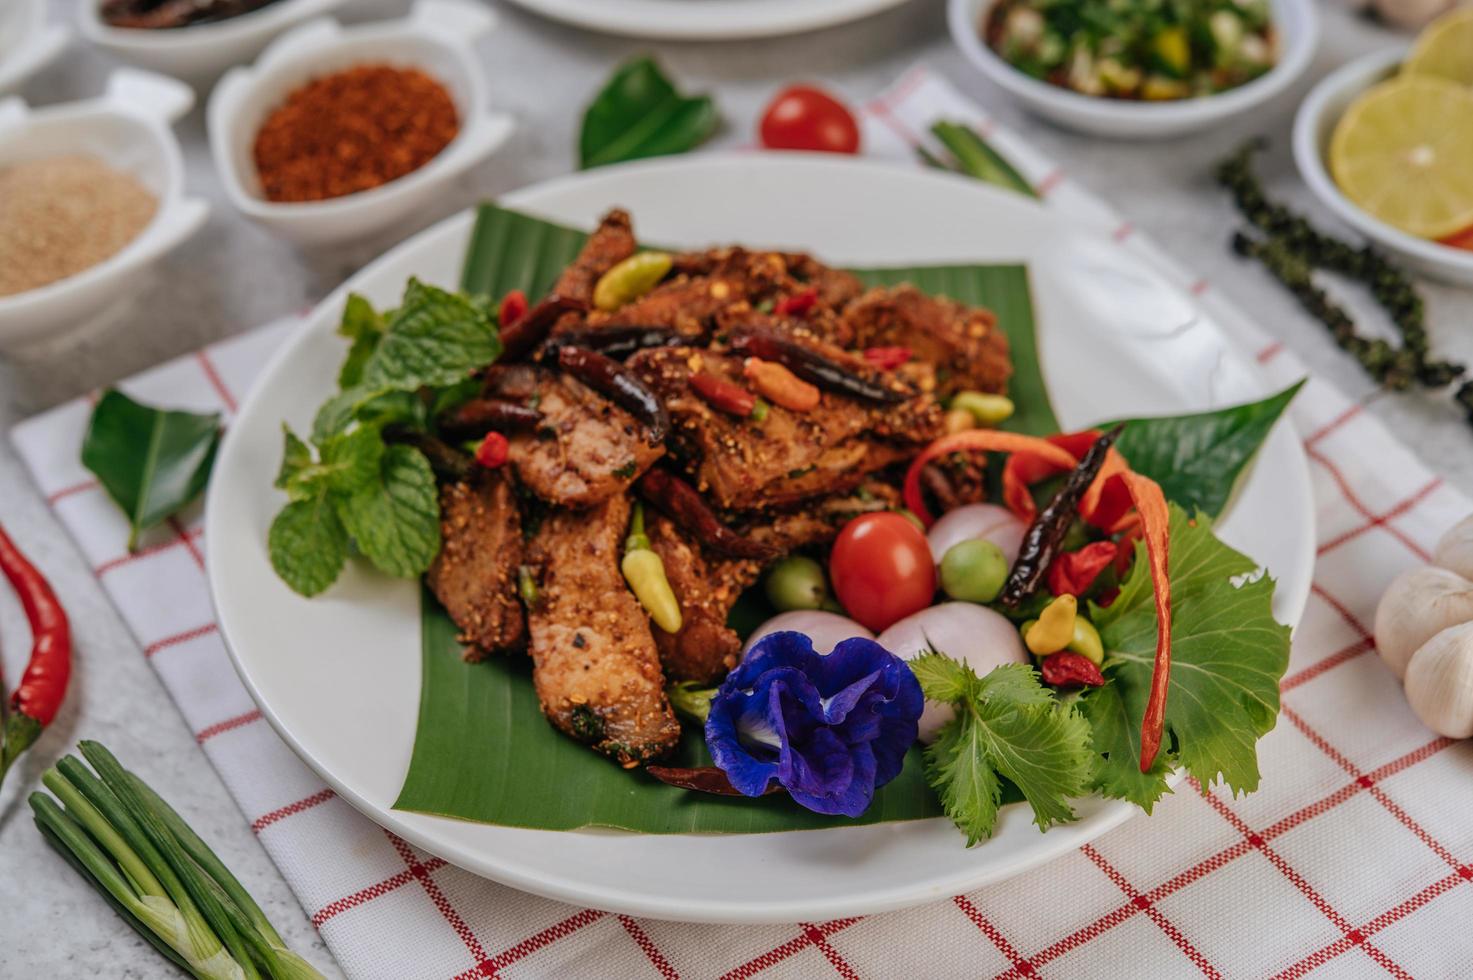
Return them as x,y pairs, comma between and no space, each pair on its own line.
1411,13
1455,549
1417,605
1439,682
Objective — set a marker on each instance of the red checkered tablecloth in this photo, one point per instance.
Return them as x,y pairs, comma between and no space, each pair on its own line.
1354,859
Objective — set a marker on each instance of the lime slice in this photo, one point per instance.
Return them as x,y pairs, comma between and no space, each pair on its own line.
1403,151
1445,48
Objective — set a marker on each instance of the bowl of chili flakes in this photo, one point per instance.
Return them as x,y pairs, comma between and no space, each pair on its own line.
339,132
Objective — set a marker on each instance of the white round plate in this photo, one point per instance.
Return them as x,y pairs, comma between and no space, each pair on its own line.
705,20
338,676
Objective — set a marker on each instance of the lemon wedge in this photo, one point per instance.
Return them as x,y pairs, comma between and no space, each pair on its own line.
1445,48
1403,151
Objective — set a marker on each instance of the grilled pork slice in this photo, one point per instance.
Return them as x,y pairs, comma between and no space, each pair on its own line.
585,450
790,456
963,341
705,649
595,666
611,243
474,576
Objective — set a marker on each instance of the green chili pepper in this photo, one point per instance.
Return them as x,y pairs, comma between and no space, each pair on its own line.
645,574
630,279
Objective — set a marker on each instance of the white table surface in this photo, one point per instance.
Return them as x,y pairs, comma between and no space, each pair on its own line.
233,276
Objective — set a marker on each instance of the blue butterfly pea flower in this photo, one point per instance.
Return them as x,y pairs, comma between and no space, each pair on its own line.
830,729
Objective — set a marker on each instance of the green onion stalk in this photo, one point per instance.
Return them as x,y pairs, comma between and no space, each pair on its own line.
157,873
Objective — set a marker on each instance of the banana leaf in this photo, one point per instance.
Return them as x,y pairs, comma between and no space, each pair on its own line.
483,750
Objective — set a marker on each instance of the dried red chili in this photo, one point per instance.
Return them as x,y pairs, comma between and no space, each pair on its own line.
43,684
493,451
799,304
1064,669
887,358
351,131
1073,572
723,395
513,308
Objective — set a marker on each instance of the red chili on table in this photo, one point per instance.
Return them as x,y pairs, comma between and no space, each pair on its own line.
43,684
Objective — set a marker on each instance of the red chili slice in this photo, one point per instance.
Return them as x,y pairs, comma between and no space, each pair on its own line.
1155,521
493,451
1073,572
513,308
887,358
723,395
799,304
984,440
1065,669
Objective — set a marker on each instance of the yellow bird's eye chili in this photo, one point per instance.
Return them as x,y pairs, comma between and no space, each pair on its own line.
1150,503
645,573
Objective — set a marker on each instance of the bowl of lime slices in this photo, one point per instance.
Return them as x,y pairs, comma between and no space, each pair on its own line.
1386,143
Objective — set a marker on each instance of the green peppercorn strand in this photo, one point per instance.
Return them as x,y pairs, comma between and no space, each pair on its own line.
1292,249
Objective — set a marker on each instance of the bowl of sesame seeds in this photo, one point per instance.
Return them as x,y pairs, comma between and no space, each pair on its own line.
91,195
336,133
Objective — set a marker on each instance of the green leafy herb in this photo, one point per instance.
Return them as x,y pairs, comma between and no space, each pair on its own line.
638,113
1197,458
151,462
365,328
308,544
1007,726
436,338
395,520
1228,654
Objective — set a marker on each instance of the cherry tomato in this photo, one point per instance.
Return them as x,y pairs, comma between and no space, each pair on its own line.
802,117
882,570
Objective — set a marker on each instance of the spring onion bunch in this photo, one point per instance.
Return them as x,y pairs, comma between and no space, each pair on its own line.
157,873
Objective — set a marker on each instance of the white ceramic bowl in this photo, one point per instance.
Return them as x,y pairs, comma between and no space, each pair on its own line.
1296,21
27,42
436,38
199,53
128,127
1313,127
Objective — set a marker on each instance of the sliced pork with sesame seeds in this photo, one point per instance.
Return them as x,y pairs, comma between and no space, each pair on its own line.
964,341
474,576
595,666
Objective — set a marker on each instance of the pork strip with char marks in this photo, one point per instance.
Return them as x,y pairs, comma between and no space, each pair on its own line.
740,464
585,450
475,574
611,243
963,341
705,648
595,666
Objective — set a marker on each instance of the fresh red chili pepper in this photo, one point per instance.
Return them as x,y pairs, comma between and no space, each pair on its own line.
799,304
43,684
983,440
1073,572
721,394
1155,521
513,308
887,358
1064,669
493,451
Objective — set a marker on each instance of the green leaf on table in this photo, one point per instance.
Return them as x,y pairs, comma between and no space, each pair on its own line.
638,113
974,157
365,327
436,338
1198,458
1228,654
151,461
1007,725
308,544
395,519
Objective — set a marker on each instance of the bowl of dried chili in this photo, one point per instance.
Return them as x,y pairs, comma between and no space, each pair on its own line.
338,132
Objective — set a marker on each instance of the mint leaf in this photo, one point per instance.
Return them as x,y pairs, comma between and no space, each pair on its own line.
1007,725
365,327
338,412
436,338
1197,458
308,544
296,456
1228,655
151,462
638,113
395,519
349,462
